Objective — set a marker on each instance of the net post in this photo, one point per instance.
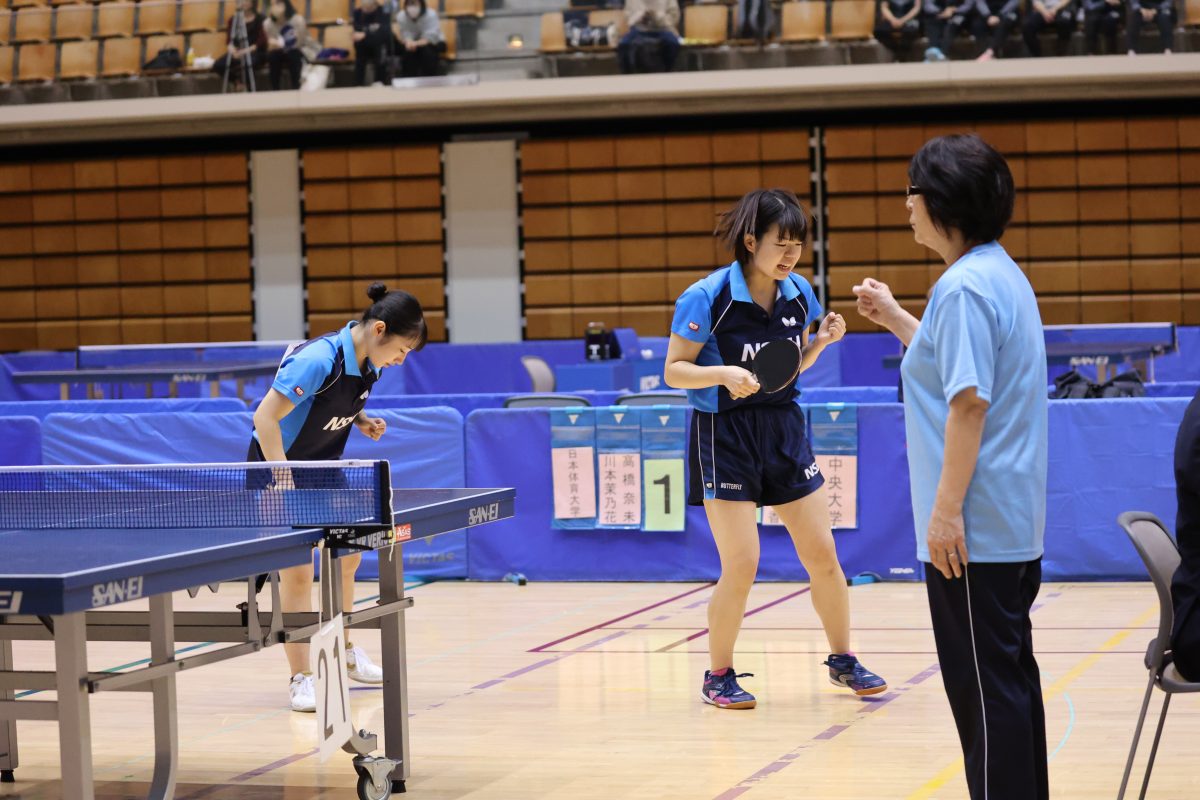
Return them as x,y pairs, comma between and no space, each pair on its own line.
384,475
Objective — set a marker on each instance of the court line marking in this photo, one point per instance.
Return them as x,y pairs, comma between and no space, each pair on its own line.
545,662
752,612
621,618
833,731
953,769
785,760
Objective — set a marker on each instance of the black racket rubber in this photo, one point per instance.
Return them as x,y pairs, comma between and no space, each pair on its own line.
776,365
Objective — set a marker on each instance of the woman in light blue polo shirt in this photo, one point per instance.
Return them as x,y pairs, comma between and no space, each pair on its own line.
975,416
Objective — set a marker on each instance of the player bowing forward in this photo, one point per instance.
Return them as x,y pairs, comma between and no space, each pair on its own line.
748,447
320,390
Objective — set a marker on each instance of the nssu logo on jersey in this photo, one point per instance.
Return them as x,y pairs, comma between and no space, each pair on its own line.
337,423
750,349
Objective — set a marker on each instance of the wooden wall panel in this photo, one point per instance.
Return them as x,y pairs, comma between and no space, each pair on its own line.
615,228
1102,225
117,249
375,213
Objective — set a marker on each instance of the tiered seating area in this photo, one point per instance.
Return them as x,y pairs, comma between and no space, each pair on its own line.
807,32
82,40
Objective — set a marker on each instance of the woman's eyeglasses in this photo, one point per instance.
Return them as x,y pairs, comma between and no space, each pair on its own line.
912,191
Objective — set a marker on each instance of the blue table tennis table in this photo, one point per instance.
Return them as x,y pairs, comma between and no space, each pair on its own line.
97,366
172,374
76,540
1101,346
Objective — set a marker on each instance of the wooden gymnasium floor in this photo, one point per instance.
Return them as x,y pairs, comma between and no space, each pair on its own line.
591,691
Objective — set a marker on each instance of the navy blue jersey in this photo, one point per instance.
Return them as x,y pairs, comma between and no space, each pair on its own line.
719,313
325,382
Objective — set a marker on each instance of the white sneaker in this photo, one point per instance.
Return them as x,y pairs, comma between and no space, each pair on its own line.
361,668
303,697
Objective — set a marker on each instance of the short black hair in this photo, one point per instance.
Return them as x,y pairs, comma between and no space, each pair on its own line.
755,213
400,313
424,8
289,10
966,184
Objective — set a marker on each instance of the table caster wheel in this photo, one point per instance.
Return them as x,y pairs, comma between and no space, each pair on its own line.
6,776
398,787
368,790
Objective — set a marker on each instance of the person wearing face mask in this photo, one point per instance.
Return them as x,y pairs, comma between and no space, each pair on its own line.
749,448
419,34
372,41
321,388
976,422
288,42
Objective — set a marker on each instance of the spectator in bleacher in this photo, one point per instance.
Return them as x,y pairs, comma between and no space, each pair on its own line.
943,20
372,42
994,20
989,21
898,24
1102,16
419,35
1047,13
256,43
1161,13
288,42
650,20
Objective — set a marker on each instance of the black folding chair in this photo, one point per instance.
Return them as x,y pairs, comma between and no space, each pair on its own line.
1161,556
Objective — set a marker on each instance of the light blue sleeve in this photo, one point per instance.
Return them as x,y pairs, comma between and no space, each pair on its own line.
815,312
966,338
302,374
693,315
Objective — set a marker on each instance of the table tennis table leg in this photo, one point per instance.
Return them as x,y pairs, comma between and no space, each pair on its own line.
8,727
74,716
166,732
395,665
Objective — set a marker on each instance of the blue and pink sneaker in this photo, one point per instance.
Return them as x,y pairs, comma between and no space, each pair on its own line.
721,689
846,670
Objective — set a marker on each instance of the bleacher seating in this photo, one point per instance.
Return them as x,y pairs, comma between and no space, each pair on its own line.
706,24
200,15
852,19
36,62
7,57
803,21
32,25
122,58
115,19
75,21
79,60
464,8
156,17
210,44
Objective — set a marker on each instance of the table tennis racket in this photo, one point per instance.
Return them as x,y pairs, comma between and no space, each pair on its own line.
776,365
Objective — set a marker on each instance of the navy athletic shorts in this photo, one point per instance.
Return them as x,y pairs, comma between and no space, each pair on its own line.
758,453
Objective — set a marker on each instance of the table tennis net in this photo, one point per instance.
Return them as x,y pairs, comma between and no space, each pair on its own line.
195,496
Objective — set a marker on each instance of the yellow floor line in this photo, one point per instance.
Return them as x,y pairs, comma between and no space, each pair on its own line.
1053,690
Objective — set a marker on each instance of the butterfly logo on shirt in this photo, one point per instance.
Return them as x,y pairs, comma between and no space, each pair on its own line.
789,322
